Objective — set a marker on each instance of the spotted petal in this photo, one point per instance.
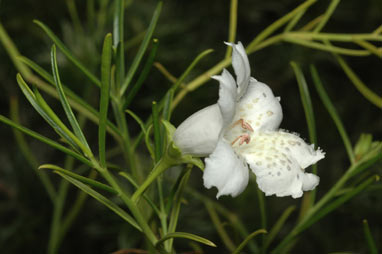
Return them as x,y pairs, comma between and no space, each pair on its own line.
241,67
259,107
278,160
226,171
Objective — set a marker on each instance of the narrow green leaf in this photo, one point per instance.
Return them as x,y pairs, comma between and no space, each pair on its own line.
38,104
142,49
226,239
67,53
369,238
102,199
149,201
357,82
277,226
118,42
187,236
306,102
166,114
80,178
65,104
45,140
74,100
308,199
232,26
332,111
157,134
104,100
173,89
59,125
246,240
177,203
148,142
142,77
327,15
13,52
278,23
324,47
25,149
294,21
189,69
137,119
338,202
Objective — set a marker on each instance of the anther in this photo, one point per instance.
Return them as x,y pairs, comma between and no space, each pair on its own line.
244,124
242,138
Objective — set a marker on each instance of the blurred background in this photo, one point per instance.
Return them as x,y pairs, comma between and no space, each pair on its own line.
185,29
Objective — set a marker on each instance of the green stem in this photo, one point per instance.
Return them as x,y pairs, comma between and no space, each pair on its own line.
263,214
159,168
323,201
128,201
279,23
232,26
333,113
54,237
219,227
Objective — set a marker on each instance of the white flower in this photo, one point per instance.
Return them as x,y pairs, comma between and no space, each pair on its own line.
241,130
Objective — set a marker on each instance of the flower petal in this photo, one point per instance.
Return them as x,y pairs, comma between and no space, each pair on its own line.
199,133
227,96
278,159
241,67
259,107
226,171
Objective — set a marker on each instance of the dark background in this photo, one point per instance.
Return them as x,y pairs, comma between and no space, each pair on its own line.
185,29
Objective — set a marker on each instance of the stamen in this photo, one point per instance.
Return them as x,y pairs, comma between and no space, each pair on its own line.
244,124
243,138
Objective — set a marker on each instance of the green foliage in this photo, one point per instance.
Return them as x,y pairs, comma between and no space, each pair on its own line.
122,175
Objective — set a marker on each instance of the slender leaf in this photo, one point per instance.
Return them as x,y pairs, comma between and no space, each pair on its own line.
357,82
279,23
27,152
226,239
75,101
118,41
104,100
278,225
173,89
157,134
338,202
332,111
324,47
134,183
142,49
189,69
138,120
67,53
142,77
246,240
232,26
177,203
36,102
45,140
308,199
65,104
80,178
102,199
369,238
327,15
58,124
166,114
187,236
